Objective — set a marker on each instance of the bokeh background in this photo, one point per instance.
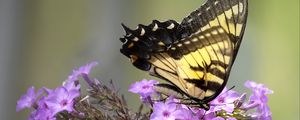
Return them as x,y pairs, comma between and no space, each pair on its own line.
41,41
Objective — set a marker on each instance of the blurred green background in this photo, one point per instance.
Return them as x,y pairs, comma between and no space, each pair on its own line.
41,41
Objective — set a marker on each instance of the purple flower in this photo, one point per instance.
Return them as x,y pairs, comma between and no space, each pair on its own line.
240,101
259,99
28,99
166,111
200,113
225,101
144,88
42,114
47,90
61,99
258,88
87,68
82,70
218,118
209,115
259,91
42,103
70,85
186,114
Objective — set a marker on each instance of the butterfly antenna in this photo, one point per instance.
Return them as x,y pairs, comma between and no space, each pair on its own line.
231,88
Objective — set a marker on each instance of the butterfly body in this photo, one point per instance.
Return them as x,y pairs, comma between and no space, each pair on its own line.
195,56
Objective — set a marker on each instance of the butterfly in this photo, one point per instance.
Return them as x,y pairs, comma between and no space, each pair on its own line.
195,56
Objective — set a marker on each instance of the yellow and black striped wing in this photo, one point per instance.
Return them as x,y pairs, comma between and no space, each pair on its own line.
198,65
229,14
195,56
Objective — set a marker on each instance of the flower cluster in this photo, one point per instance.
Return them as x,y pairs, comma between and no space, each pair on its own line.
47,103
66,102
229,105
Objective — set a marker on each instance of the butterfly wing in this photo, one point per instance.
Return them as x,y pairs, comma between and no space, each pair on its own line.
229,14
195,56
201,63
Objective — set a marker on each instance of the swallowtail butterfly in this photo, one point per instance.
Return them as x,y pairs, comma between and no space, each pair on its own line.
195,56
